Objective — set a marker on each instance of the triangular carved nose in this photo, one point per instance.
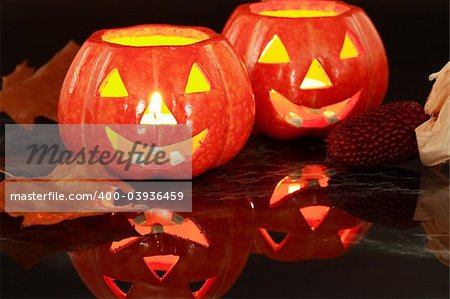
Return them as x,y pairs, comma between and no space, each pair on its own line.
157,112
316,77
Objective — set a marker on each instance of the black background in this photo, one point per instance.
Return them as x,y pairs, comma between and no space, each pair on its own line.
415,32
416,37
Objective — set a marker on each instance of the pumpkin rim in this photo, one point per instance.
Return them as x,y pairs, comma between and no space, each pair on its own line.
203,35
257,7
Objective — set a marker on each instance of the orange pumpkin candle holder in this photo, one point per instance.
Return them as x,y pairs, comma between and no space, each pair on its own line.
311,63
163,75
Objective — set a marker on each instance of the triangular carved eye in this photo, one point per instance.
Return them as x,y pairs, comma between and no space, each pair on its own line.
350,47
274,52
197,81
161,265
112,86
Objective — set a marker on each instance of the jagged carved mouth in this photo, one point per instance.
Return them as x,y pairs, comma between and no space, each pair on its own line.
176,152
301,116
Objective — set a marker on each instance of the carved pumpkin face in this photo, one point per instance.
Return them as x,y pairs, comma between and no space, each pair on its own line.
162,75
191,255
311,63
298,222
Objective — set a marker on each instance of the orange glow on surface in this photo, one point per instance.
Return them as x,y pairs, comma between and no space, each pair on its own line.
275,246
315,215
285,187
292,184
348,235
117,246
316,172
161,265
143,229
294,187
187,230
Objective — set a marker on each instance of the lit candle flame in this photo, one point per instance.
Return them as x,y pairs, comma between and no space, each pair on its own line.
157,112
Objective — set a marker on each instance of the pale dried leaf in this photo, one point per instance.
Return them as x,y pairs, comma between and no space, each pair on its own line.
433,136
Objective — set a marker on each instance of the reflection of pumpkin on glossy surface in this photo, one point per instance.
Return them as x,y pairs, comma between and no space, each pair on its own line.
162,75
311,63
298,222
199,255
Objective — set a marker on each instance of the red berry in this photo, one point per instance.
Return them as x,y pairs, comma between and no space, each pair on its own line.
384,135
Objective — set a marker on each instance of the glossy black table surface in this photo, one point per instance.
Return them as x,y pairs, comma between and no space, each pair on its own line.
279,220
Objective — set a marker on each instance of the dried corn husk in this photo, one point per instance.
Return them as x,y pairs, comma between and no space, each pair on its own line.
433,136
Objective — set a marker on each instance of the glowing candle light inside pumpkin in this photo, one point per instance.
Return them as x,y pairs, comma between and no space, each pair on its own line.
310,64
294,188
157,112
135,86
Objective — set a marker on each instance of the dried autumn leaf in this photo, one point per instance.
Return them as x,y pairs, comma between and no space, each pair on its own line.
29,245
60,176
39,94
20,74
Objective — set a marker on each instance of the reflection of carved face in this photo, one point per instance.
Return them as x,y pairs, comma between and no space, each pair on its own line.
309,64
161,264
162,75
298,223
185,255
